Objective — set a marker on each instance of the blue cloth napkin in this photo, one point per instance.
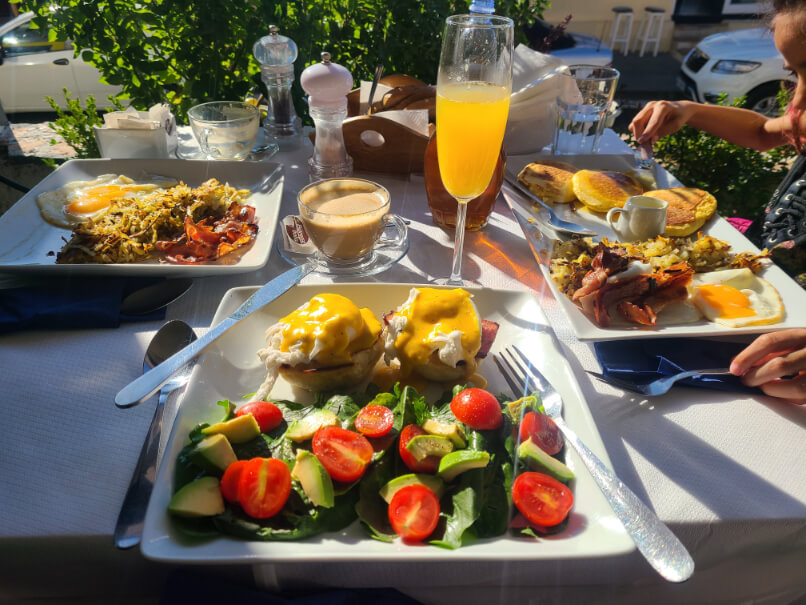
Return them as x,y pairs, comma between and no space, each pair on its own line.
641,361
63,303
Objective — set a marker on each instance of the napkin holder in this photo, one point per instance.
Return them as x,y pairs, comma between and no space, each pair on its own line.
138,134
377,144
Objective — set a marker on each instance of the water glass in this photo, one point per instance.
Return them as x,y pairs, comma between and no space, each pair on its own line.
225,130
581,116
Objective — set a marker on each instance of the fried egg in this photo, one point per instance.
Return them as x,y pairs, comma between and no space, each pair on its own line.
736,298
78,201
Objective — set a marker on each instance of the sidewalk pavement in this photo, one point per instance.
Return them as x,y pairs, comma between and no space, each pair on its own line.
643,79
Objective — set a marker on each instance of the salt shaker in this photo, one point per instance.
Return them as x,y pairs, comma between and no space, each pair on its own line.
277,54
327,85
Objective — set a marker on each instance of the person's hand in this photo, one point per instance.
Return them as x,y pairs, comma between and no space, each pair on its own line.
659,118
775,362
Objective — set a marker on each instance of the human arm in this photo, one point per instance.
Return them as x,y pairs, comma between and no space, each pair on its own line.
775,362
736,125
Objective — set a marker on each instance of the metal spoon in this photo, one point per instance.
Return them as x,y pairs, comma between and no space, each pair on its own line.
156,296
169,339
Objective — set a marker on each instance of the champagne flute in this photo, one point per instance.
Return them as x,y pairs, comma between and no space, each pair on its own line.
473,89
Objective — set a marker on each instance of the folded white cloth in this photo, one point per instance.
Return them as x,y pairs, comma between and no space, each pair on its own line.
537,80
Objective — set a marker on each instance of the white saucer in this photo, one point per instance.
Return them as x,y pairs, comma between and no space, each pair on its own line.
381,258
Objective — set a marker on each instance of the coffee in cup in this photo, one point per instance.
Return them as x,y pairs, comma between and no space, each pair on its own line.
642,218
345,218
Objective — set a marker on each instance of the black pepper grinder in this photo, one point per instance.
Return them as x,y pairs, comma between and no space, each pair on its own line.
277,54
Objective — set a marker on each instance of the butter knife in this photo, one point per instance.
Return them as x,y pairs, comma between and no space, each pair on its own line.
148,384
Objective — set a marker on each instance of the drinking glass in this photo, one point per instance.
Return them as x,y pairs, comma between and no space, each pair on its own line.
225,130
473,89
581,118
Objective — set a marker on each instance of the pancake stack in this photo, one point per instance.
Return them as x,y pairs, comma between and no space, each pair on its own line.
601,190
688,210
550,180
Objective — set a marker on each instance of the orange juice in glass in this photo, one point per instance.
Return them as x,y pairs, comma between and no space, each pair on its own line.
473,89
471,118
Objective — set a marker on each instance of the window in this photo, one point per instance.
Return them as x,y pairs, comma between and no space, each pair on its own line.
742,7
25,40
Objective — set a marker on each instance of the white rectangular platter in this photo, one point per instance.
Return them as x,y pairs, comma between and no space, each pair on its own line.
29,244
584,328
230,369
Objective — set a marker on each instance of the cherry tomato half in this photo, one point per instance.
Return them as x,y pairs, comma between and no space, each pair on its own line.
429,464
542,431
541,499
231,479
477,408
264,487
267,415
414,512
374,420
344,454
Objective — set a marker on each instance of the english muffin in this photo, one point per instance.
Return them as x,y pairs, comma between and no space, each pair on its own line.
688,210
549,180
601,190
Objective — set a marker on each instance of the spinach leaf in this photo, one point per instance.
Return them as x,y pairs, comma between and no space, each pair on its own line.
464,512
371,508
344,407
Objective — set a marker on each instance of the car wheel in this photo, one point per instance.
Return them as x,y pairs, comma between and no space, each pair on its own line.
764,99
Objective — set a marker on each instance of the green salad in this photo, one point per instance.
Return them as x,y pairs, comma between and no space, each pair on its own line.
446,473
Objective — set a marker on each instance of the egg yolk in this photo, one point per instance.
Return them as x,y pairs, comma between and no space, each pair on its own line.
431,314
332,327
96,199
729,301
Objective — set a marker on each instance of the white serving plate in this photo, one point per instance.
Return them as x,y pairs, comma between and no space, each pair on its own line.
28,243
230,369
584,328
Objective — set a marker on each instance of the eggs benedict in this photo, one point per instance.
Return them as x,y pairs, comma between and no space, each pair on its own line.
438,335
326,344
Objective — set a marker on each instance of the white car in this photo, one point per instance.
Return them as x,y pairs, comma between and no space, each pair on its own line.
742,63
32,68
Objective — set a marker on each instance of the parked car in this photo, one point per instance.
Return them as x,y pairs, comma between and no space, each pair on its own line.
32,68
742,63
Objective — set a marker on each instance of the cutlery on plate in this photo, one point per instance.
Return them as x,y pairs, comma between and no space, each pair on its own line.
554,221
156,296
659,386
147,384
657,543
169,339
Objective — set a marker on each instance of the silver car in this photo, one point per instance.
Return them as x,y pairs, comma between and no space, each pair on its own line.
32,68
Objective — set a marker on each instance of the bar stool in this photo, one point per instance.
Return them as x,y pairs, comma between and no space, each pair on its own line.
622,20
651,29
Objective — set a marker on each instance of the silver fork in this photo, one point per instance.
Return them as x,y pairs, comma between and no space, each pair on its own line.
554,221
654,540
659,386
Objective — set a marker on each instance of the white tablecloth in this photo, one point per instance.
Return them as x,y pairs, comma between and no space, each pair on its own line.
725,472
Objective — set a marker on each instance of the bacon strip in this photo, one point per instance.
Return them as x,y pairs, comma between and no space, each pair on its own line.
211,239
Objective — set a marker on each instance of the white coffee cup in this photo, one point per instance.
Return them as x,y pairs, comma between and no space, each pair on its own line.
642,218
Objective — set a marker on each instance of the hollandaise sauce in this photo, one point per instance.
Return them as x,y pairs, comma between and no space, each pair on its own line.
444,320
329,329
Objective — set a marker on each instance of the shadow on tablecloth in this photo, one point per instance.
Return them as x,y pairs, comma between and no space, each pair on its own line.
194,587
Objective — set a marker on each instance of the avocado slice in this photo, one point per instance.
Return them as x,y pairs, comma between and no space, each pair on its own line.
538,460
305,428
516,409
456,463
238,430
451,430
214,454
199,498
435,484
422,446
314,479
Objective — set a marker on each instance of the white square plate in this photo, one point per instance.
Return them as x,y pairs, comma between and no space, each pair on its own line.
230,368
29,243
584,328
